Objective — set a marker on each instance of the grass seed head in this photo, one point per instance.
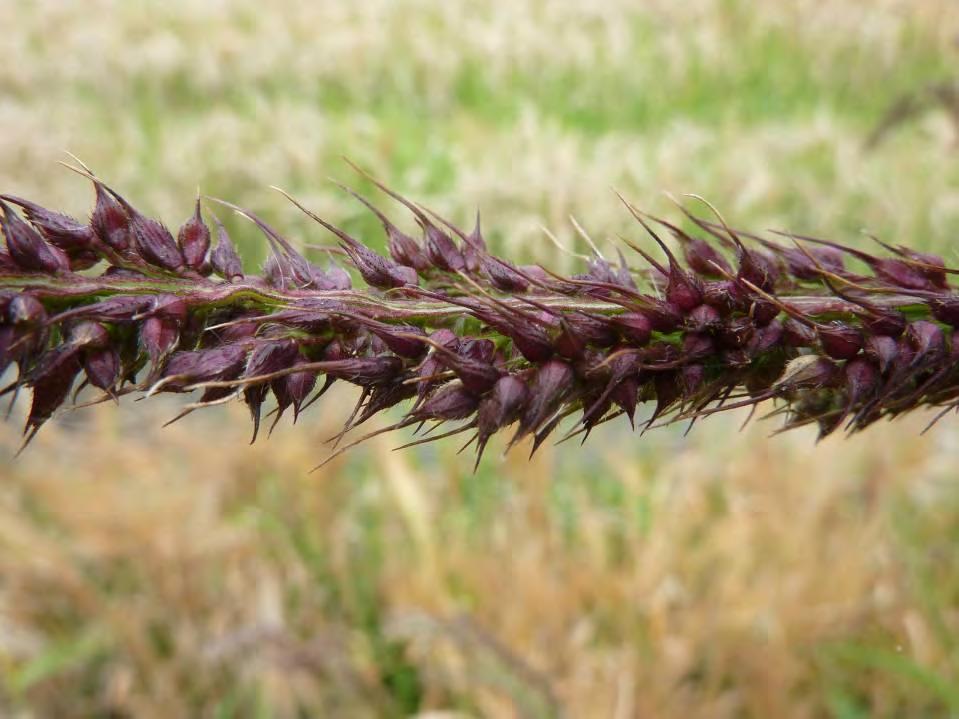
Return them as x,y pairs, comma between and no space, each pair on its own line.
469,337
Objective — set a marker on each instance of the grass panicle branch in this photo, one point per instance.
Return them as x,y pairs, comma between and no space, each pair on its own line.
840,337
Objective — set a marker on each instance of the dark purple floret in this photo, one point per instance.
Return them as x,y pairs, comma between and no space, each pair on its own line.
549,387
192,367
840,341
109,221
223,258
449,402
27,248
194,241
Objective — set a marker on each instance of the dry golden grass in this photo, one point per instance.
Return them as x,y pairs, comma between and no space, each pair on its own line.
180,572
176,572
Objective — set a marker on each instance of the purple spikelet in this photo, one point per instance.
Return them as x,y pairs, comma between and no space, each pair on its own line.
194,241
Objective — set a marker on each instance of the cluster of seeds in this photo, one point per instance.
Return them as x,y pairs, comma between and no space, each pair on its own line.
840,336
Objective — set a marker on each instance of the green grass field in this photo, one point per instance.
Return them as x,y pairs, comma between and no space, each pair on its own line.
148,572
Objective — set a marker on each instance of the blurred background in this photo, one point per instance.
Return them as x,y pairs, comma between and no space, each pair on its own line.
180,572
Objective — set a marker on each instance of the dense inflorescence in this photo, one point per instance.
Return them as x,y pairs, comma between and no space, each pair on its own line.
840,336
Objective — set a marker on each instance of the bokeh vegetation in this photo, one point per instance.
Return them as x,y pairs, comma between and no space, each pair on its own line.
179,572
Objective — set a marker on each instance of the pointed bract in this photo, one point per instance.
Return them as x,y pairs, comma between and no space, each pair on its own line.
194,241
223,258
27,248
109,221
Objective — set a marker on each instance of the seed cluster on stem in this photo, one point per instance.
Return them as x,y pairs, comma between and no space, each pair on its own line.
839,336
